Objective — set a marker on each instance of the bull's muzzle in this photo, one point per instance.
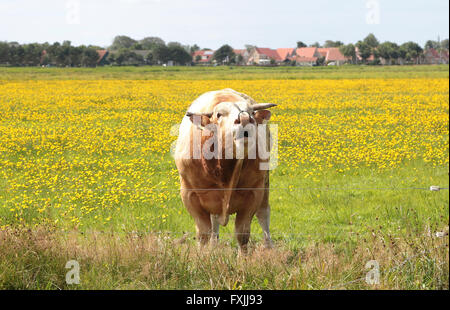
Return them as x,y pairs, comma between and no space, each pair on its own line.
243,119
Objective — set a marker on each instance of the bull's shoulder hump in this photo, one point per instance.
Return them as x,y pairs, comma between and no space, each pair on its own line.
241,96
207,101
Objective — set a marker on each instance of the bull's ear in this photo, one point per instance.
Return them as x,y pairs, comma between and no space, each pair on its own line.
262,116
199,119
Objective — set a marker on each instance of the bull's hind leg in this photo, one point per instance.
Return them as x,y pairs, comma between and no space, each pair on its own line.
263,216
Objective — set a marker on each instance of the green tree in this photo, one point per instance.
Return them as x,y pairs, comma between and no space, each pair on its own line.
249,47
364,50
4,53
137,46
194,48
126,57
16,55
389,51
161,54
240,59
89,57
348,51
32,54
410,51
224,54
111,58
432,44
120,42
300,44
179,55
321,61
371,41
330,43
149,60
149,43
444,44
76,55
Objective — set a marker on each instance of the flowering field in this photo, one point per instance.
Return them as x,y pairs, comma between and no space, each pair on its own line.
354,156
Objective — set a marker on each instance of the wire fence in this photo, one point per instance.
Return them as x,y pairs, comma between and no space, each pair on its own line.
291,188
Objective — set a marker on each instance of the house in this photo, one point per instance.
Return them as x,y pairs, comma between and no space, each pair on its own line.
333,54
286,54
203,57
433,57
102,55
307,56
245,55
263,56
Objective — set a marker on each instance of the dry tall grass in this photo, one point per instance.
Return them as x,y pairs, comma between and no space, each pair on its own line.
36,259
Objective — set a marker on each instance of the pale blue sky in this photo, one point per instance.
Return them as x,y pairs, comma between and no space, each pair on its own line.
211,23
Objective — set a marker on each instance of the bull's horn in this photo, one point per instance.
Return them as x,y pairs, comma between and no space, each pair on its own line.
189,114
262,106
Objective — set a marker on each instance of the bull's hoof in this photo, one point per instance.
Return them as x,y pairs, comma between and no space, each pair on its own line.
268,245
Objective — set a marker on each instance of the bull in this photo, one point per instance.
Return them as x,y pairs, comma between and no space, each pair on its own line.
219,162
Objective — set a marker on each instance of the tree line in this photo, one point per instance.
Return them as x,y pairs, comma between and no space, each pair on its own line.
390,52
154,51
148,51
371,48
57,54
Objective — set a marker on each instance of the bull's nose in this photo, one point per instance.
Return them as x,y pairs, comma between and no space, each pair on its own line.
243,119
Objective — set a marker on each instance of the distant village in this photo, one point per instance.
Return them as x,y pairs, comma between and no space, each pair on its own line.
126,51
311,56
304,56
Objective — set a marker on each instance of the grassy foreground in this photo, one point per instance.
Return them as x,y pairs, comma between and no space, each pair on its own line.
226,73
36,259
86,174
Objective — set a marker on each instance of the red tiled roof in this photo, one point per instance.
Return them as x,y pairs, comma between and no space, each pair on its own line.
284,53
323,51
208,54
101,54
334,54
306,51
240,52
269,53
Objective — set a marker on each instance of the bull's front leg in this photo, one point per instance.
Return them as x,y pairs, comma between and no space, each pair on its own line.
215,226
201,217
203,225
242,228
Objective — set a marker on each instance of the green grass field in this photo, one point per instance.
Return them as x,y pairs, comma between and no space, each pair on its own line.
326,226
226,73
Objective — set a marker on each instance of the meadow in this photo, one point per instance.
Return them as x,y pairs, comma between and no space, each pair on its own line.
86,173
